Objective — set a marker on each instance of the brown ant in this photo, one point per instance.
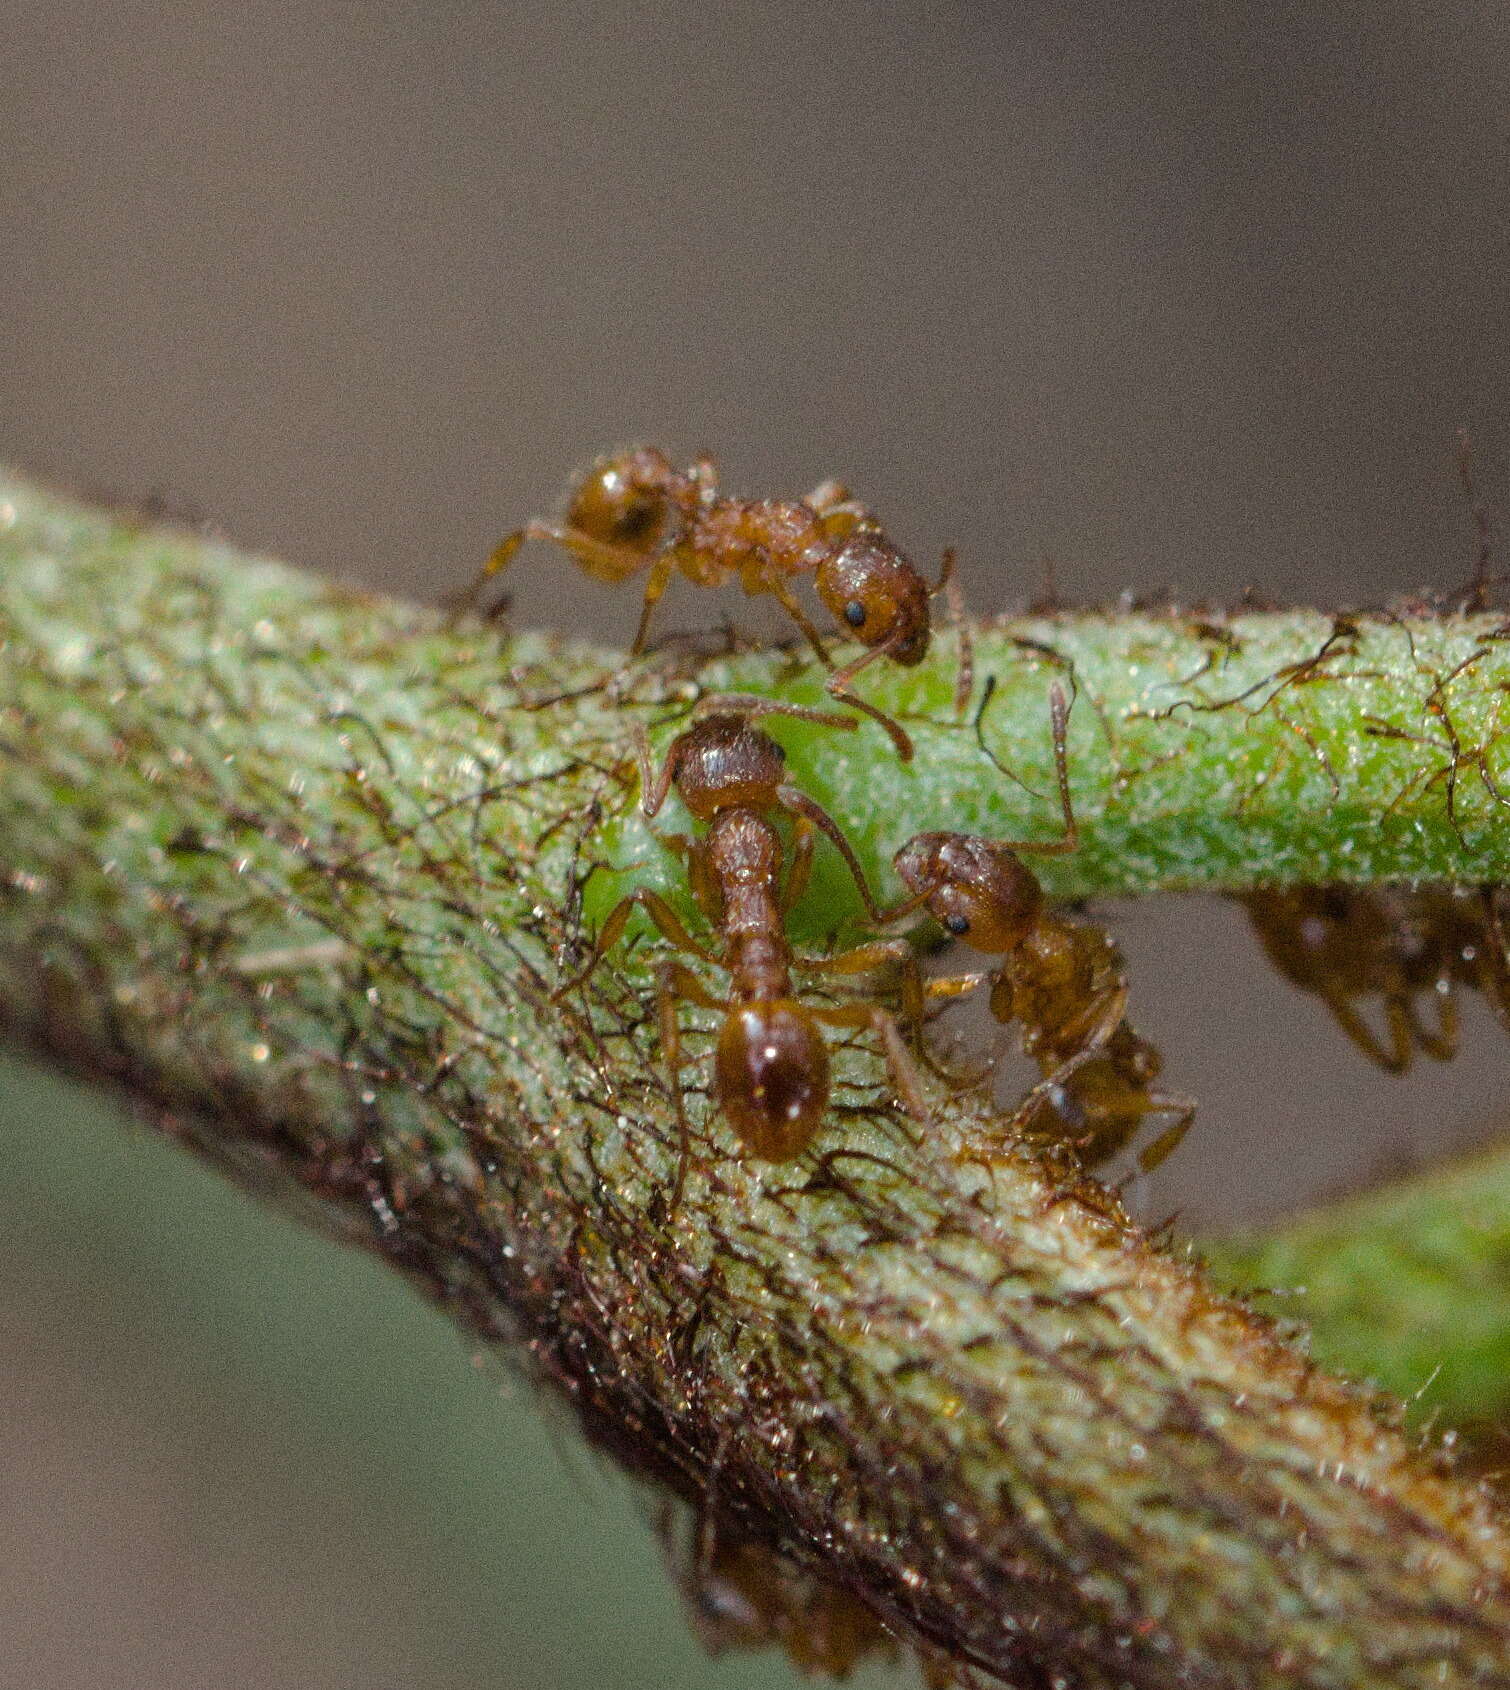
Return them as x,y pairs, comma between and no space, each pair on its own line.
770,1066
1063,982
740,1595
636,511
1403,946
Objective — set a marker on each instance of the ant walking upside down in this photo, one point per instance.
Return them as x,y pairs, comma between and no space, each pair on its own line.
771,1076
1408,947
636,511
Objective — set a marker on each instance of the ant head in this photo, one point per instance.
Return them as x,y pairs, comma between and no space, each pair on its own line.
771,1077
976,890
871,588
723,763
625,500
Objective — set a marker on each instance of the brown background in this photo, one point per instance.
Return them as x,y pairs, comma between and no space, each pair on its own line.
1175,295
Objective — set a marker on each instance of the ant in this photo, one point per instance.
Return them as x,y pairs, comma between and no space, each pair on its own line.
1347,943
740,1595
1065,983
636,511
770,1066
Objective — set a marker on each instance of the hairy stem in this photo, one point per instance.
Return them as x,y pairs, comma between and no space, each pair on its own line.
298,870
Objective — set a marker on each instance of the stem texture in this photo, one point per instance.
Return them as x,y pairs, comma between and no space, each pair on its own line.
298,869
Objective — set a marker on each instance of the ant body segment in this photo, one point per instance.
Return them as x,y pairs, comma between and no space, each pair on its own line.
636,511
771,1065
1063,982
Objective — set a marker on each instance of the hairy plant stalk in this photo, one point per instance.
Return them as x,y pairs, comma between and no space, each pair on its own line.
298,870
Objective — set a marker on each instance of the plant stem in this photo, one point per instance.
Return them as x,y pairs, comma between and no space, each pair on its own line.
295,868
1408,1286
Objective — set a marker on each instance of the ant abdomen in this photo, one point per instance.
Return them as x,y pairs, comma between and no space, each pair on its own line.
771,1077
622,501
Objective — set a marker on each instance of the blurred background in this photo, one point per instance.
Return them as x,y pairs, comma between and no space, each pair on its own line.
1168,296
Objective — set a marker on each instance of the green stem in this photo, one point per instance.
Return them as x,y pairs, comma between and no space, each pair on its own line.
1408,1286
294,867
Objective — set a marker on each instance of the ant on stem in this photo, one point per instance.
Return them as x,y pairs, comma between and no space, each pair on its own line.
636,511
1063,982
741,1595
770,1065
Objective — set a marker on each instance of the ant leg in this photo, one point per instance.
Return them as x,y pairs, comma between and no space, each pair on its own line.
1393,1058
800,870
788,601
1439,1042
1036,1096
660,578
838,685
871,956
1168,1141
956,986
701,879
904,1075
1069,840
653,787
673,981
659,911
964,676
914,992
601,559
754,705
499,559
799,804
1092,1029
1059,716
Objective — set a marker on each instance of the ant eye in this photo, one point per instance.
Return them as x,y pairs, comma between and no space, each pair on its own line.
958,925
854,614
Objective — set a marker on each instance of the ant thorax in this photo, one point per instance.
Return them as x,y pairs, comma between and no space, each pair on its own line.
757,539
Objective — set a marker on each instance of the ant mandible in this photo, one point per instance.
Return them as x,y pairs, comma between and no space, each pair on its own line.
636,511
1064,983
771,1066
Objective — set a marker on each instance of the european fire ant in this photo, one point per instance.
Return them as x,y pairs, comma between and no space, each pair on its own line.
1063,982
1403,946
770,1066
636,511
